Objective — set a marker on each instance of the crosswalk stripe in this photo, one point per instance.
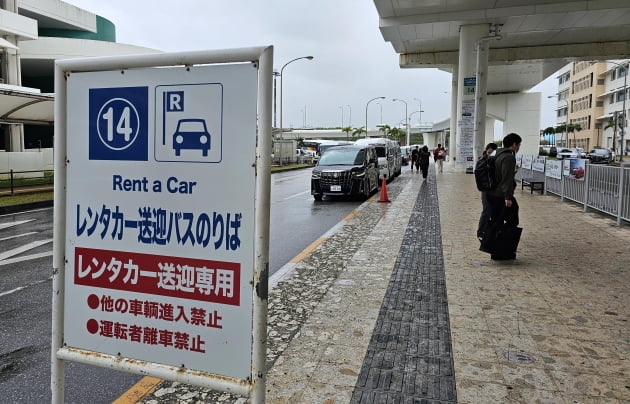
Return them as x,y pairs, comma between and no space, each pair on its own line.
11,224
25,247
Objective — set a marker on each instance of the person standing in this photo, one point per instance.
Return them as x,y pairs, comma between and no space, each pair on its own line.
503,205
438,155
423,160
484,218
414,158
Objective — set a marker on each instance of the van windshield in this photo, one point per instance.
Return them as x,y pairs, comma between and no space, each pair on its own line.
342,157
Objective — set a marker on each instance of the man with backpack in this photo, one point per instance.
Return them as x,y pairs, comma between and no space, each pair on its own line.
503,234
414,158
484,218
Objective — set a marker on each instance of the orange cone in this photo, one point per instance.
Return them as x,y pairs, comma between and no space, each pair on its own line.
384,197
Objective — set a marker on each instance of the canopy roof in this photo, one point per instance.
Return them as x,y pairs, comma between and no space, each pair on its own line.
25,105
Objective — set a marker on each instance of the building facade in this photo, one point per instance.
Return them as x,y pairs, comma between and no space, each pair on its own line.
591,98
33,34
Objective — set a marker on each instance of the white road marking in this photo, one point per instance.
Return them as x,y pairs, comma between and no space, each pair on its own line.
18,235
23,287
11,224
26,258
296,195
25,247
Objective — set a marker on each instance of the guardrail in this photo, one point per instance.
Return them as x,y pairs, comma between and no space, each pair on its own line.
12,181
602,188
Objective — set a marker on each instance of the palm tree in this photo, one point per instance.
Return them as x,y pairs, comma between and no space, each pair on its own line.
347,129
357,132
385,129
611,124
560,129
572,128
397,134
550,130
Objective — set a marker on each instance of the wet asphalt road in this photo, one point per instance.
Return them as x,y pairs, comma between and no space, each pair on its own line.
25,291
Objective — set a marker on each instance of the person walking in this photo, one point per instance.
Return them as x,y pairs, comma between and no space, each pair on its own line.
414,158
484,218
423,160
438,155
503,205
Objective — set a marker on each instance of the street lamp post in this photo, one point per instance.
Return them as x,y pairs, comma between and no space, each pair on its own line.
281,80
341,108
623,115
406,118
366,113
420,110
350,116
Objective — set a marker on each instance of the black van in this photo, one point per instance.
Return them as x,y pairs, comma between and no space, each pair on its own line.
345,171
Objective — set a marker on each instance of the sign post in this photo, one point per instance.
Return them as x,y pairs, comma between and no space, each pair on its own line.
161,232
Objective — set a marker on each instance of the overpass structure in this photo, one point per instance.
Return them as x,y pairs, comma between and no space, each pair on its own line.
496,50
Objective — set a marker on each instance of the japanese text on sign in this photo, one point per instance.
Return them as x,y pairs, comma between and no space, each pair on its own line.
189,278
159,226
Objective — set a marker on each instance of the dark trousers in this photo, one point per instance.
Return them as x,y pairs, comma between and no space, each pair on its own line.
484,218
499,213
425,169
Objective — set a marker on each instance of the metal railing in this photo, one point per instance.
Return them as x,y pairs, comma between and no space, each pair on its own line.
603,188
12,181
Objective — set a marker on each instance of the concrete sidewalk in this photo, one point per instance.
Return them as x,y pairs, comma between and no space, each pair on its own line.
399,306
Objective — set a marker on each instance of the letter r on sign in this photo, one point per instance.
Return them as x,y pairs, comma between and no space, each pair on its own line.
174,101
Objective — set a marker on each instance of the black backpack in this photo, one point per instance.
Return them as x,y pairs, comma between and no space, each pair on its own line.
484,174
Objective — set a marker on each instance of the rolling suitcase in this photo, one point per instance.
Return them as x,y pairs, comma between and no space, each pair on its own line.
505,242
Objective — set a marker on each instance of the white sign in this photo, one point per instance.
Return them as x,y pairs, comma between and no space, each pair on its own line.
553,169
160,215
466,129
526,162
538,163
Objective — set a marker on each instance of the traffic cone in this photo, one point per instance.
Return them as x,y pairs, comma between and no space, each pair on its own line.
384,197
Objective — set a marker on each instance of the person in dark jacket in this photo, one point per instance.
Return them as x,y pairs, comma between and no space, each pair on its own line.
484,218
424,158
503,206
414,158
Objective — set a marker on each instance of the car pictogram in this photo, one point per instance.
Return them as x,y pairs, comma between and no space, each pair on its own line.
191,134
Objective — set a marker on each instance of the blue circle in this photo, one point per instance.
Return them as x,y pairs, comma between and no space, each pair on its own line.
116,115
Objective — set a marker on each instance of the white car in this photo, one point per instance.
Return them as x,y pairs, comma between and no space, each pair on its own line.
570,153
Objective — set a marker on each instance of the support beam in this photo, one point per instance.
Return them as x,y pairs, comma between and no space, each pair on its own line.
585,51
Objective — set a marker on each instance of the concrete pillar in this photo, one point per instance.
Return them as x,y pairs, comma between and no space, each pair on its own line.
469,35
431,139
480,99
452,144
15,133
488,135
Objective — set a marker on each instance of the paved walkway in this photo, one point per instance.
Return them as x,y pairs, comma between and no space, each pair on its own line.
399,306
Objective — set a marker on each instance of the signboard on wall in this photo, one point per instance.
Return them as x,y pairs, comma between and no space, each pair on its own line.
160,215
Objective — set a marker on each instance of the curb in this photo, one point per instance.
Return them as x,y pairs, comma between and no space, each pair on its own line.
25,206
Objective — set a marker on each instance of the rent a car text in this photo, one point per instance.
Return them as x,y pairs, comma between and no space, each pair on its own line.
173,185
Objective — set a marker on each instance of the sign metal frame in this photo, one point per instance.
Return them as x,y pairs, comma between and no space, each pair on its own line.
254,387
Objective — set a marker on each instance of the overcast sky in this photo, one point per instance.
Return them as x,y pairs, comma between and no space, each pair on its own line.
352,63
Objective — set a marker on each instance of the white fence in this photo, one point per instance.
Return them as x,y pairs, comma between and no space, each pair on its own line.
599,187
25,161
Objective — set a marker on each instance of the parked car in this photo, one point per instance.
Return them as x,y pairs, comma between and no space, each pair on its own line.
304,156
405,152
386,156
601,156
346,171
569,153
